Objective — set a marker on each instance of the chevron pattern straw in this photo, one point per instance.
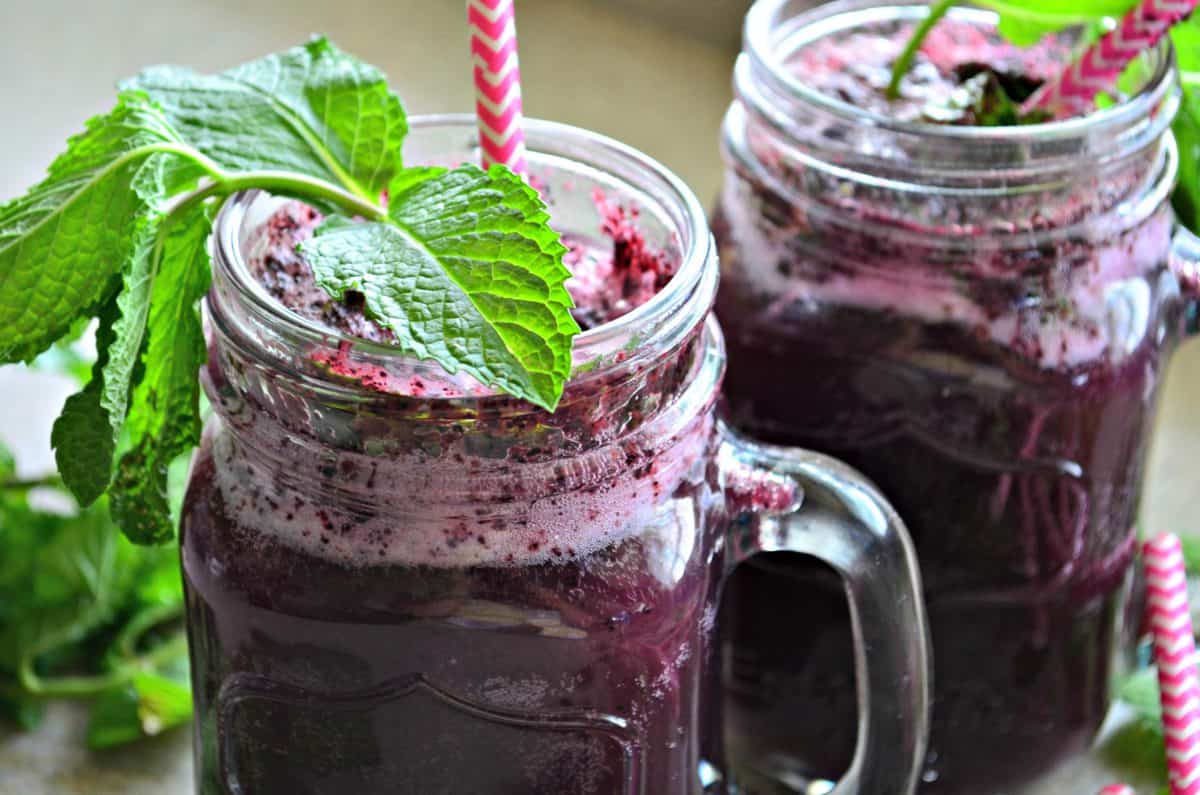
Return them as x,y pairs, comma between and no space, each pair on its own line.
1118,789
1174,653
1075,89
497,82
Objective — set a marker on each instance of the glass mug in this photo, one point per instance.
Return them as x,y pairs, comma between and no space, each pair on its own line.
978,319
399,594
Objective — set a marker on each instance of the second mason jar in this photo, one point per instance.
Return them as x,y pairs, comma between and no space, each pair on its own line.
977,318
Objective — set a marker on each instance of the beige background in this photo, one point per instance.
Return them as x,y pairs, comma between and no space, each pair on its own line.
635,69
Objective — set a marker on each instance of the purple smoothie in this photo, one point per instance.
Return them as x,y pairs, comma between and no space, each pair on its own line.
417,595
992,364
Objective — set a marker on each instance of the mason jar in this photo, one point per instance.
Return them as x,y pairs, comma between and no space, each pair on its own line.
399,583
977,318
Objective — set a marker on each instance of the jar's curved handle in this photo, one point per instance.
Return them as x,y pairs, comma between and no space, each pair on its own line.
785,499
1185,262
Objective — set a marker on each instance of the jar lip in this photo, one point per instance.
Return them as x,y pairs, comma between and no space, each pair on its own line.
690,288
759,44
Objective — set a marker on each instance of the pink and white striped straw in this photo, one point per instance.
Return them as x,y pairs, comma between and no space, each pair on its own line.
1118,789
1175,656
497,82
1075,88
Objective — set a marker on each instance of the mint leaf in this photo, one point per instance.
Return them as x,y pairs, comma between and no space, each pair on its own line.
8,464
144,707
63,577
1185,36
1024,22
164,421
61,243
83,443
153,183
82,437
1140,691
1186,39
1138,750
311,110
467,274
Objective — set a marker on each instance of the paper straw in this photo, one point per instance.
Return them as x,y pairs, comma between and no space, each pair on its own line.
1074,90
1117,789
1174,654
497,82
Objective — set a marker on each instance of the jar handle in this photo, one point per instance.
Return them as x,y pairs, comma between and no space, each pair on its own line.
786,499
1185,262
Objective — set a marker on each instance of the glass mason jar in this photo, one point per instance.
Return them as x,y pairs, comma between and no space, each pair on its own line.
978,319
395,590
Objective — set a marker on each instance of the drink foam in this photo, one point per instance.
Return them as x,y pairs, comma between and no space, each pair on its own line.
452,510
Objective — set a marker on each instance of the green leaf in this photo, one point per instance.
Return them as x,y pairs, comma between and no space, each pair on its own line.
83,443
1024,22
312,110
1191,552
62,242
1137,750
467,274
160,583
1185,36
151,183
1186,128
63,576
165,421
148,705
8,464
1186,39
82,437
1140,691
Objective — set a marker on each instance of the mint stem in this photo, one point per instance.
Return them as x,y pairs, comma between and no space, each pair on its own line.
126,642
67,686
904,62
47,481
296,185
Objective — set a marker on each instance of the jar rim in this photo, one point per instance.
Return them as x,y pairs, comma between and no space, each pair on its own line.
676,309
760,45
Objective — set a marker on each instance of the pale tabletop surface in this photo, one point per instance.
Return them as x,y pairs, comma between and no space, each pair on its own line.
658,89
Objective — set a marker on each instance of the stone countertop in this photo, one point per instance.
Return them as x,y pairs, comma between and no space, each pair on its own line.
657,89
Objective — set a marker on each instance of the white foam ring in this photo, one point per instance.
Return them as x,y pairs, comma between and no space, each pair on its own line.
405,517
1109,295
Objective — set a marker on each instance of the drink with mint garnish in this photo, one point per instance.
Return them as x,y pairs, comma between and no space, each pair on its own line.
400,580
977,306
435,539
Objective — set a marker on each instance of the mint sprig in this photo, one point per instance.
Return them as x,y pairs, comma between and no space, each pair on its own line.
462,265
